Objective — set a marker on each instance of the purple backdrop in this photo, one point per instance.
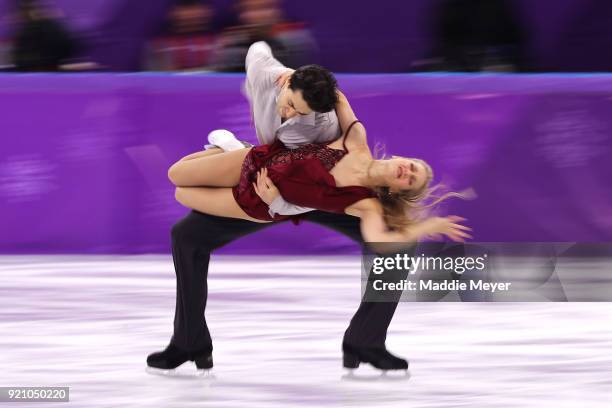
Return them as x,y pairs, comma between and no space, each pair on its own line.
386,36
84,157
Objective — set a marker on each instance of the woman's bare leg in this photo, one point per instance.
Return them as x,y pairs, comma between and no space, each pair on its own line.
213,201
203,153
213,170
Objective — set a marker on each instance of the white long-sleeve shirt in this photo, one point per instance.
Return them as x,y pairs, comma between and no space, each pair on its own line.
262,71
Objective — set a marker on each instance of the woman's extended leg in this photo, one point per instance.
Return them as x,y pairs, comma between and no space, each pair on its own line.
216,170
213,201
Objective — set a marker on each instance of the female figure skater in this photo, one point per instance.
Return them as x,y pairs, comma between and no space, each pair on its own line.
340,177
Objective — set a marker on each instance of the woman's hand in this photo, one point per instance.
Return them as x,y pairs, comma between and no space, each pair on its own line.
435,227
265,189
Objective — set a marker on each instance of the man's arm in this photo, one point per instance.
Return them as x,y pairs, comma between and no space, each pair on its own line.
269,194
264,72
282,207
262,69
326,129
344,111
346,116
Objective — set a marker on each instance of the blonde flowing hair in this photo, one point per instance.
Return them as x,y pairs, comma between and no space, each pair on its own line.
404,208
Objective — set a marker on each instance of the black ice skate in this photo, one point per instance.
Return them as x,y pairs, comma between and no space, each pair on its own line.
164,362
378,357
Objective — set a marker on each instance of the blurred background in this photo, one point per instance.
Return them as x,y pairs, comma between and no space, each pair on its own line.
362,36
87,140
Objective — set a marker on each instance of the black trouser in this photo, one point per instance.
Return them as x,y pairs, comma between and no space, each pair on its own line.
196,235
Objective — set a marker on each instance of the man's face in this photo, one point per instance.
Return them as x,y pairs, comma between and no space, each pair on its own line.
290,103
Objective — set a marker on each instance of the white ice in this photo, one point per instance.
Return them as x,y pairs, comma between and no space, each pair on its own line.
88,322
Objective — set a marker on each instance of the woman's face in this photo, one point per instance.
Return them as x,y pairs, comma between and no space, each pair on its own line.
401,173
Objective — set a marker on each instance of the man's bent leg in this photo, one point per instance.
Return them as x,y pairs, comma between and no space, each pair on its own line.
368,327
193,239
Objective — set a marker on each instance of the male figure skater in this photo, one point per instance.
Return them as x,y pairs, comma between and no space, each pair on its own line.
296,107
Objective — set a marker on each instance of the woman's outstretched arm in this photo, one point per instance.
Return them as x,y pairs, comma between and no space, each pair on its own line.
374,229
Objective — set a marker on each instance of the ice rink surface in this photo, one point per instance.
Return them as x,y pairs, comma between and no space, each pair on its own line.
88,322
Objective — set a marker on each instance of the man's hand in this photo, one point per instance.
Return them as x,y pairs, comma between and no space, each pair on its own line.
265,189
283,78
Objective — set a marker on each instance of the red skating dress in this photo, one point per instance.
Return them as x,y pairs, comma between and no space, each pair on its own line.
302,177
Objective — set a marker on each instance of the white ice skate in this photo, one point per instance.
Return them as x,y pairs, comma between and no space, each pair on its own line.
225,140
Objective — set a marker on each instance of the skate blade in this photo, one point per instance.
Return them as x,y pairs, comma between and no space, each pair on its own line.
373,374
179,373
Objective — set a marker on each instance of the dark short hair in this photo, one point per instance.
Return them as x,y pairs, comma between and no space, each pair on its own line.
318,87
